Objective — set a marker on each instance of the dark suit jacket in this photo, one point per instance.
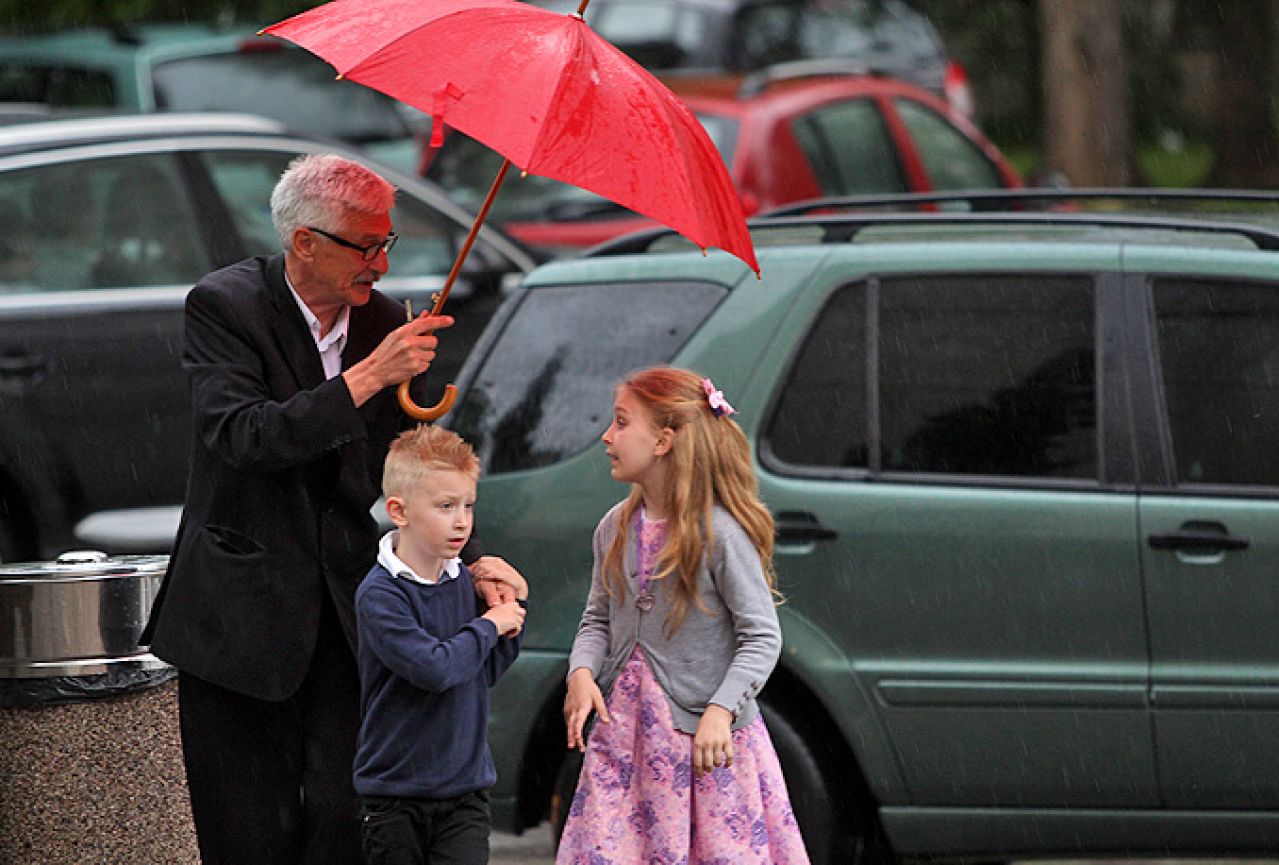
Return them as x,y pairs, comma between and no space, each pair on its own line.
284,469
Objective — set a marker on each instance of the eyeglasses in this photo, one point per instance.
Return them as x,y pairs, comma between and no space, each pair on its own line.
367,252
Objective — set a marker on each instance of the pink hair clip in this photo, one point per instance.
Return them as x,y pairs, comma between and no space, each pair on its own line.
719,405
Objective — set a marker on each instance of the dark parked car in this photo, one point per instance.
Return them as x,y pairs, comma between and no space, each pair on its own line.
786,133
1024,474
104,226
883,37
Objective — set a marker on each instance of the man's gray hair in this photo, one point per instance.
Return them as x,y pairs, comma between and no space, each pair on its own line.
317,189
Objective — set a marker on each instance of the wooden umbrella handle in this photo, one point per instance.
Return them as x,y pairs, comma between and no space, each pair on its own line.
435,412
442,407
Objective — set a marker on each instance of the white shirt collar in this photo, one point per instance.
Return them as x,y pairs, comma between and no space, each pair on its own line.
387,558
332,343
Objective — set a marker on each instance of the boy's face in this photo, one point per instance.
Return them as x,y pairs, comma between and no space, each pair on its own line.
435,520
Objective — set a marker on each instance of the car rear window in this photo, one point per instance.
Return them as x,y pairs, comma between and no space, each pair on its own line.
545,390
303,94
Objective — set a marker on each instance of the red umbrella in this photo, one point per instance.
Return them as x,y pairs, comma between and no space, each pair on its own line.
546,92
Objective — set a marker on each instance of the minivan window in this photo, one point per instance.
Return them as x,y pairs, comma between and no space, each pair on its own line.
545,391
1219,358
988,375
820,419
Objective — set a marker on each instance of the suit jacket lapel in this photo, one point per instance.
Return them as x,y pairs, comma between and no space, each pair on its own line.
360,338
290,330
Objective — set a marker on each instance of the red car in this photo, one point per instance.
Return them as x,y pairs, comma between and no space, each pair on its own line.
786,134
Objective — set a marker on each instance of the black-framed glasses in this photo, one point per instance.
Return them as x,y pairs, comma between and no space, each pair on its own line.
367,252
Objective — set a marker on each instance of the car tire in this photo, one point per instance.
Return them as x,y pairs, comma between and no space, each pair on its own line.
836,829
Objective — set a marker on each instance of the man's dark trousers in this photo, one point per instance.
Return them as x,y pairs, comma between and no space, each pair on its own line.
250,812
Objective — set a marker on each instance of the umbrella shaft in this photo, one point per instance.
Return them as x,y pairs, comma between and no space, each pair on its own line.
470,237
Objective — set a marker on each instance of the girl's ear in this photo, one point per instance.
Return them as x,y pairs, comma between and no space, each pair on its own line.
665,441
395,510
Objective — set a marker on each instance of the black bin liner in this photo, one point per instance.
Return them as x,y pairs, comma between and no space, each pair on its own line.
55,690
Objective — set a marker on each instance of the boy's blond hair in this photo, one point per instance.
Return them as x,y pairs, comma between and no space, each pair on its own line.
417,452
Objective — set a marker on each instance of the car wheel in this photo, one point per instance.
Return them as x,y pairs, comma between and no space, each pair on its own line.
834,831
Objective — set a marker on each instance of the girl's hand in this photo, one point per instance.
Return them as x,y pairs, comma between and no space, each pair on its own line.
584,696
713,742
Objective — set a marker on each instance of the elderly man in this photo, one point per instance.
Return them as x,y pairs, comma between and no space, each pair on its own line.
292,361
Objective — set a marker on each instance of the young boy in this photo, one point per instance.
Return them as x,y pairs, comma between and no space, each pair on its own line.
428,652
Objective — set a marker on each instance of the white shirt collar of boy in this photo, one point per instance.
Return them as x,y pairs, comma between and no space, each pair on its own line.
333,342
387,558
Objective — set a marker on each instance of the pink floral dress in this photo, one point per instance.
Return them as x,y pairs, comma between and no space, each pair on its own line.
638,802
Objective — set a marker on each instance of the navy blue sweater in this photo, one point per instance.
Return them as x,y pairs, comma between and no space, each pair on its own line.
426,660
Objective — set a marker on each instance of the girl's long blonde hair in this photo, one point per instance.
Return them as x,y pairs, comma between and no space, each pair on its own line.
710,462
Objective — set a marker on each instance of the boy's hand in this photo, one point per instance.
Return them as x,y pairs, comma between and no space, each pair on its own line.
498,582
713,742
584,696
508,617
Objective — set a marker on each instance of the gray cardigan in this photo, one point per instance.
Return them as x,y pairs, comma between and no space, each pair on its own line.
723,658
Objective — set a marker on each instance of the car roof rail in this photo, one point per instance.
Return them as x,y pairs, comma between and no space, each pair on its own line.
58,130
797,70
1002,199
845,228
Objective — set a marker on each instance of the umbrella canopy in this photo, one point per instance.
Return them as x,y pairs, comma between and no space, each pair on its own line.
542,89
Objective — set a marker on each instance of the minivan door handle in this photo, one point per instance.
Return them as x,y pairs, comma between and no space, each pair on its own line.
797,527
1198,536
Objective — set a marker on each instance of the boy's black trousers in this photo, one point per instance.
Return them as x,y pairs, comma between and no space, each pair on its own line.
396,831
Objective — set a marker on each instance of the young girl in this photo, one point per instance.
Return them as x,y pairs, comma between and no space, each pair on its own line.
681,633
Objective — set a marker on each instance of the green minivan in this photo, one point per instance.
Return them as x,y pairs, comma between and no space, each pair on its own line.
1025,472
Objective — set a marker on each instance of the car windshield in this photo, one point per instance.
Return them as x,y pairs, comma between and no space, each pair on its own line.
302,95
545,390
466,169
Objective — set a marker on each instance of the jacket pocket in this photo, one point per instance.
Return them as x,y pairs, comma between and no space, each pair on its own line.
230,541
